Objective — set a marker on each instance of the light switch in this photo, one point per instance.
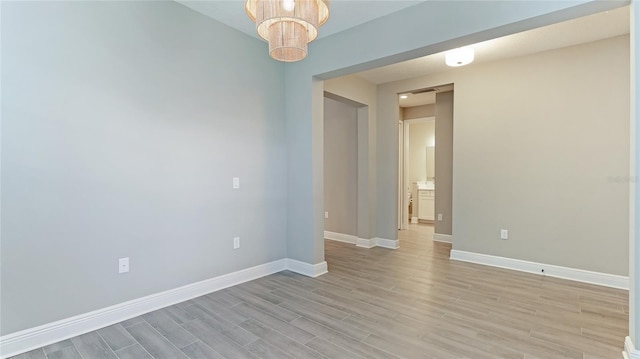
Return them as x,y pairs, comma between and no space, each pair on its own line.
236,182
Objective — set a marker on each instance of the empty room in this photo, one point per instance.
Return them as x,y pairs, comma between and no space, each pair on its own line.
229,179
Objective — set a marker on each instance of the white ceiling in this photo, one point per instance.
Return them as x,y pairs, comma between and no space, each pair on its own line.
344,14
573,32
349,13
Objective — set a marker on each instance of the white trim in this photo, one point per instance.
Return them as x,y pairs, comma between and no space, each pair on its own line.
365,243
630,351
310,270
414,220
387,243
445,238
340,237
361,242
580,275
33,338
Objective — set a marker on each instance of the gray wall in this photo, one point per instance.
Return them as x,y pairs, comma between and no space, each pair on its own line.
539,161
122,126
361,94
341,167
538,152
444,161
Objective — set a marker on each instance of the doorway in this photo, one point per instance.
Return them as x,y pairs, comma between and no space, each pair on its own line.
425,145
340,169
417,142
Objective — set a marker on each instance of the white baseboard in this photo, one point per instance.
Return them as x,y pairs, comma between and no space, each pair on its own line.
630,351
362,242
340,237
33,338
310,270
387,243
414,219
446,238
580,275
365,243
378,242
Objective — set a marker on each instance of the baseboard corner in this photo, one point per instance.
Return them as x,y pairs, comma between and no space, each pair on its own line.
387,243
306,269
630,351
365,243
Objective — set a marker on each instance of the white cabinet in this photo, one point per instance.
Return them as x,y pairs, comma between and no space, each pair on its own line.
426,204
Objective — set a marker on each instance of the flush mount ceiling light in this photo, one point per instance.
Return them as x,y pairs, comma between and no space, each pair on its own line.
460,56
404,96
288,25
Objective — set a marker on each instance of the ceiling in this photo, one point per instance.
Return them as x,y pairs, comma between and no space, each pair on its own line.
573,32
349,13
344,13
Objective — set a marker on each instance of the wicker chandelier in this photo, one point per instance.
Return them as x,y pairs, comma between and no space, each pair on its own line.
288,25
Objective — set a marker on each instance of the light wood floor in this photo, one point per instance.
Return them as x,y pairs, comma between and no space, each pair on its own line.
376,303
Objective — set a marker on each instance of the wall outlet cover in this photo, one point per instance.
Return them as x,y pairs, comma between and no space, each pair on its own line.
504,234
123,265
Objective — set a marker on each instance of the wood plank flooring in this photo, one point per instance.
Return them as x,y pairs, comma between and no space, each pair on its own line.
376,303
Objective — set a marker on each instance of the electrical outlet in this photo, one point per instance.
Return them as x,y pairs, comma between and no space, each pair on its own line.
439,217
326,214
504,234
236,182
123,265
236,242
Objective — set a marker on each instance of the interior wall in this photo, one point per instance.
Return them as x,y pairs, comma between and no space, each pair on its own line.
538,152
380,42
444,163
123,124
341,167
362,94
